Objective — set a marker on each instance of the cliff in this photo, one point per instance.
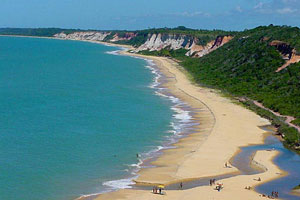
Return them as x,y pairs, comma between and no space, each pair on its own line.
199,50
157,42
288,53
91,35
153,41
125,36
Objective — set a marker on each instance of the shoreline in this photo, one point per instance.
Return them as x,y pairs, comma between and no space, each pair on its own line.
160,174
169,168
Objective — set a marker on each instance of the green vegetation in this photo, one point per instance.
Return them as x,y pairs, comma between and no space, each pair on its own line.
282,33
41,32
296,122
289,134
246,66
166,53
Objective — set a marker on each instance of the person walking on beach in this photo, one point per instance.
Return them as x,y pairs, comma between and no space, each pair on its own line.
154,190
181,185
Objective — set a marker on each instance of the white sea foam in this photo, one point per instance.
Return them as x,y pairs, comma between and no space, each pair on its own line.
181,120
116,52
154,71
84,196
120,184
182,115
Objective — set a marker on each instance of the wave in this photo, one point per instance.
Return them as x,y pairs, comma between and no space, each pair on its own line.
181,123
116,52
120,183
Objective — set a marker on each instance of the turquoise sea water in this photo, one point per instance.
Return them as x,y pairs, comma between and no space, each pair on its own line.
73,117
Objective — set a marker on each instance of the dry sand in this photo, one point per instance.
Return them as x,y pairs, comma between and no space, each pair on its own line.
224,127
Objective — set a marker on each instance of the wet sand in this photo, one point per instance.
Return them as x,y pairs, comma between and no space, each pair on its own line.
224,127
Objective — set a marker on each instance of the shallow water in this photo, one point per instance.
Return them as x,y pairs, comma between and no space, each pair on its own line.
287,160
73,118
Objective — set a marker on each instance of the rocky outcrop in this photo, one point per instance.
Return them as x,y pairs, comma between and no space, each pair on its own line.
199,51
284,48
156,42
287,52
124,36
96,36
91,35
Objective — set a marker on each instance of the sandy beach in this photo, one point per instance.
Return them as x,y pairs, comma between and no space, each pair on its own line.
224,127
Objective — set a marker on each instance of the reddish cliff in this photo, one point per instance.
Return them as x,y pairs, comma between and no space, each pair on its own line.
288,53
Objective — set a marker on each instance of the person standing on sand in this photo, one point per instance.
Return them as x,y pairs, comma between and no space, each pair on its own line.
181,185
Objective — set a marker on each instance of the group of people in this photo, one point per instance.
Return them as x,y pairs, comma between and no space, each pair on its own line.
212,182
157,190
248,188
219,186
274,195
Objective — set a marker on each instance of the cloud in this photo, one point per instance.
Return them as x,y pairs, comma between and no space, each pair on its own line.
259,5
286,10
277,7
239,9
193,14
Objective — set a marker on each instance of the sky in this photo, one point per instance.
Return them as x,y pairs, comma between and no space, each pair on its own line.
142,14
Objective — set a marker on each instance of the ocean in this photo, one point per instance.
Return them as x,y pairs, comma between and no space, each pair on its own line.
77,119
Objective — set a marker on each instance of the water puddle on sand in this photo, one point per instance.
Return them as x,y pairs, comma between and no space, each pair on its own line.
287,160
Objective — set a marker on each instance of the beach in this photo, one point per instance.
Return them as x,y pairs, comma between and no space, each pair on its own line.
221,127
224,127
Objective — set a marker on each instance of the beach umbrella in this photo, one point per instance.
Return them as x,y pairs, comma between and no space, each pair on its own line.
161,186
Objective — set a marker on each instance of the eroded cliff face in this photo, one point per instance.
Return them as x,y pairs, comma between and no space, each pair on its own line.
154,42
199,50
125,36
157,42
284,48
92,35
287,52
96,36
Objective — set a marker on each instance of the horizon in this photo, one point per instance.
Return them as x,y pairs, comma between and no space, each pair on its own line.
234,15
155,28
